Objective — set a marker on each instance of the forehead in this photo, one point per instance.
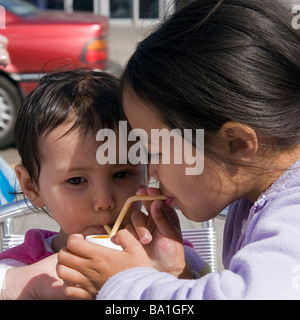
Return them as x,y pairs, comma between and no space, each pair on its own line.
61,142
62,145
140,114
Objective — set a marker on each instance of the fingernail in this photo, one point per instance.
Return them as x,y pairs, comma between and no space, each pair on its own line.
145,239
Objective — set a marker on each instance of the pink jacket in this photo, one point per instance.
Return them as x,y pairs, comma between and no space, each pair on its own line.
32,249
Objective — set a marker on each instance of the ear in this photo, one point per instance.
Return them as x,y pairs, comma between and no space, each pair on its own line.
239,140
29,188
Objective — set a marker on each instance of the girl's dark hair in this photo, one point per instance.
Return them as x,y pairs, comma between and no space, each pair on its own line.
87,98
220,60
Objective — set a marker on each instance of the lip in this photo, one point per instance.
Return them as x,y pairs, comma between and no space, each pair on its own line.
99,229
169,201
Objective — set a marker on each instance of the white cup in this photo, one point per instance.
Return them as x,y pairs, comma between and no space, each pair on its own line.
103,241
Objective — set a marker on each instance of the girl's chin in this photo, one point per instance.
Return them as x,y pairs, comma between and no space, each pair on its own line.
189,213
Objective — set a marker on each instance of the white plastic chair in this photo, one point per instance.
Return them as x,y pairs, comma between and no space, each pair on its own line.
204,241
8,212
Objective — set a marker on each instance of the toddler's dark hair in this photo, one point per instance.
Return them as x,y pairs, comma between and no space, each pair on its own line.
87,98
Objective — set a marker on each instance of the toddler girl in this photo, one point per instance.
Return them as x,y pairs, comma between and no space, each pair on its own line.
56,138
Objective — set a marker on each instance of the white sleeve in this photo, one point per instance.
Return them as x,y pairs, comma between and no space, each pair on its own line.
6,264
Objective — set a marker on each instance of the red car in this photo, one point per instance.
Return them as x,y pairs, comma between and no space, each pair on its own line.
40,42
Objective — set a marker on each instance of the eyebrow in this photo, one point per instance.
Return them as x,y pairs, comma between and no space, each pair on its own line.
74,169
69,170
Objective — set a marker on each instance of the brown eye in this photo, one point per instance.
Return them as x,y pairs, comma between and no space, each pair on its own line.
122,174
76,180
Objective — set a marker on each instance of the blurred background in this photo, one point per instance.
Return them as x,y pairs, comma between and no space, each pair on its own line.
47,35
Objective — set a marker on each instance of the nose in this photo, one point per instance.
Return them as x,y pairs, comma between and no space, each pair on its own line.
103,200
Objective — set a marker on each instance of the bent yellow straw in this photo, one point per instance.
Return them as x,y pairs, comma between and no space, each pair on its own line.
107,228
126,206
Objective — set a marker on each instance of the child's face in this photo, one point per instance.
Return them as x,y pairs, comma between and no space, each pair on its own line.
200,197
81,194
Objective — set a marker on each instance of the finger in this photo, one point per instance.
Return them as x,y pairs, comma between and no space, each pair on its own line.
127,241
163,224
78,246
73,268
142,191
78,235
131,229
76,292
172,216
141,229
76,279
151,192
70,275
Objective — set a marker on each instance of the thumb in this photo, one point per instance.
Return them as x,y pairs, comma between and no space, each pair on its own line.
126,240
76,235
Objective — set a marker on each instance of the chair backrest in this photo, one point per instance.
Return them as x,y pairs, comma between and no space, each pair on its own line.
203,240
8,212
